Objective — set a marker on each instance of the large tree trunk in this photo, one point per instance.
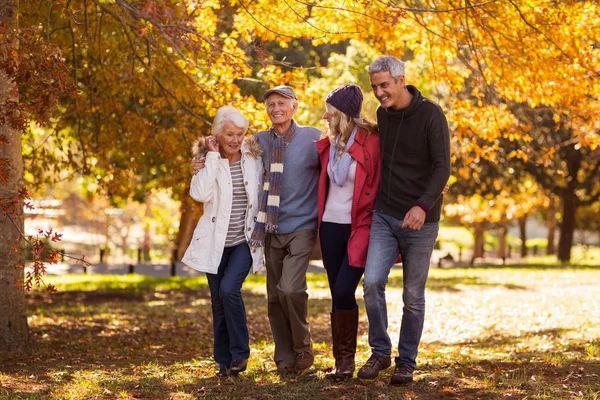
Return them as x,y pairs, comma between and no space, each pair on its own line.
190,212
14,332
523,234
551,226
567,227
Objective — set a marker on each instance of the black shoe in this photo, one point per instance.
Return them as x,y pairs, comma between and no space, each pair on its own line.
223,373
238,366
402,375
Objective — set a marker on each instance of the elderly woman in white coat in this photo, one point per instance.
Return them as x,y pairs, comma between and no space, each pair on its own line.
228,184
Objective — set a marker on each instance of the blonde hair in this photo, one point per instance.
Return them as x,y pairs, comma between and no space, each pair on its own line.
341,126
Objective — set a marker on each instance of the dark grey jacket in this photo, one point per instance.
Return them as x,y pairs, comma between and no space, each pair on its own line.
415,157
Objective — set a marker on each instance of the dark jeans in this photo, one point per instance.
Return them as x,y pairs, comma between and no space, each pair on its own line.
231,341
343,278
388,239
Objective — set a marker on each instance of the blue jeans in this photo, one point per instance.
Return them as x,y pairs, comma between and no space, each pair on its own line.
231,340
388,239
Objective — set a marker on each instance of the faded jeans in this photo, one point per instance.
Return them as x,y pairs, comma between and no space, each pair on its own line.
387,241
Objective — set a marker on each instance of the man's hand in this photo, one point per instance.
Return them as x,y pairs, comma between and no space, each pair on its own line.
414,218
446,189
197,164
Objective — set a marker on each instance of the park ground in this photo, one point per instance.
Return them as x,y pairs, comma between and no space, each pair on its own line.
524,332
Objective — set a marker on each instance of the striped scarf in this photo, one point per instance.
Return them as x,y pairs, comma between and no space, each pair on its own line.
266,220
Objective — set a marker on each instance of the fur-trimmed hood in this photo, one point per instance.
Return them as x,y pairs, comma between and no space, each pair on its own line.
250,146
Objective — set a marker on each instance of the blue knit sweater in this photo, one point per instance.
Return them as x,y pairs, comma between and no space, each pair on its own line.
298,201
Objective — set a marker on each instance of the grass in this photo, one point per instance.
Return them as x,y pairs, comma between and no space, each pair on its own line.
490,333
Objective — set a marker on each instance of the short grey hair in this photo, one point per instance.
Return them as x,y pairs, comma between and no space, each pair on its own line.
388,63
228,114
294,101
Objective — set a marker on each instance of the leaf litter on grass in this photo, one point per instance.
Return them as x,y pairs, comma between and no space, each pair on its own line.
489,333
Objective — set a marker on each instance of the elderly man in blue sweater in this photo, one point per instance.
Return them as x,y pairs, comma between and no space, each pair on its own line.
287,225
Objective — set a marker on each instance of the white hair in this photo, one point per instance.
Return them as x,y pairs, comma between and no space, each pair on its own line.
228,114
388,63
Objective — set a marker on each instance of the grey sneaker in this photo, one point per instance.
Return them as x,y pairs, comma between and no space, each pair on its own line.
373,365
402,375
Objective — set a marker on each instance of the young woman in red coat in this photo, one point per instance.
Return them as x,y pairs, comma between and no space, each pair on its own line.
350,161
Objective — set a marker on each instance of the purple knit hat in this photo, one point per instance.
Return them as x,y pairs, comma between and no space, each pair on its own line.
347,98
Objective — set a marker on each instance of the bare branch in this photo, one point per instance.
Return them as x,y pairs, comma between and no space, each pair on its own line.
447,10
305,20
340,8
261,24
82,259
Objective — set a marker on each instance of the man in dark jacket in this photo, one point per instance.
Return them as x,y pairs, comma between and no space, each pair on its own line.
415,166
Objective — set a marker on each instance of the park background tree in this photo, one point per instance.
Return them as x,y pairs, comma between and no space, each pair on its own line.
14,332
150,75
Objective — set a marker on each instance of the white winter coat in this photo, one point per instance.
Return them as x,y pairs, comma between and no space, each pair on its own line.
212,186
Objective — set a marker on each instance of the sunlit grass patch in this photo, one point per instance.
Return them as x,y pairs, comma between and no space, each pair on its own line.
131,282
592,350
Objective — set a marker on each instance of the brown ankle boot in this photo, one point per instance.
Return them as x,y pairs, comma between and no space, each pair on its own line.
345,325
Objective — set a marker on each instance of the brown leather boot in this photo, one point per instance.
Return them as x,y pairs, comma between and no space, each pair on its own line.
334,335
346,326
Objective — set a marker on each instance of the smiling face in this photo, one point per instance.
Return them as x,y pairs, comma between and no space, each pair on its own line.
280,109
230,138
387,90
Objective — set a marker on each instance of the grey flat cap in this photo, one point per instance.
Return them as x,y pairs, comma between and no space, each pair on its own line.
285,91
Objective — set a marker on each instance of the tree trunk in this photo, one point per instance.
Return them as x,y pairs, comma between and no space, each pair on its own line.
567,227
14,331
147,243
478,241
190,212
124,231
502,232
551,226
523,234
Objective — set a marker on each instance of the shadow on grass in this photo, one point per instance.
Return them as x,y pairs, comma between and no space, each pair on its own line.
145,387
495,378
497,340
117,326
529,376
